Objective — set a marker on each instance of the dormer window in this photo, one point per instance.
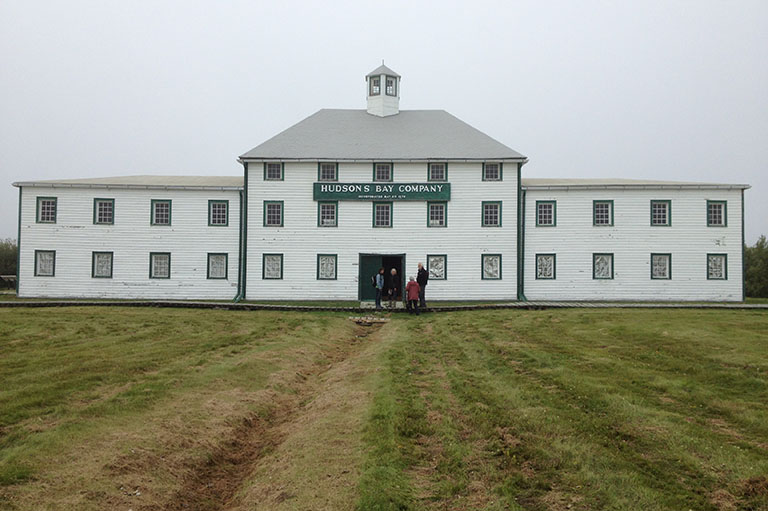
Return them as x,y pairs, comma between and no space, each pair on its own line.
391,86
375,86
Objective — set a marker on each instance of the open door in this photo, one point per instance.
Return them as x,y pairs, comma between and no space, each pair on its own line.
369,266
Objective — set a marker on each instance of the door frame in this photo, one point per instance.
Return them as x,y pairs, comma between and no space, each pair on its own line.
360,282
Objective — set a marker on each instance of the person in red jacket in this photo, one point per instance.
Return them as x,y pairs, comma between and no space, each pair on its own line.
412,293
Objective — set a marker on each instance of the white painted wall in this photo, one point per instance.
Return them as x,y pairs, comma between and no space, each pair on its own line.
632,240
74,237
300,240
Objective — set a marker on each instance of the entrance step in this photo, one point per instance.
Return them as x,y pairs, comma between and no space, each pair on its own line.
384,305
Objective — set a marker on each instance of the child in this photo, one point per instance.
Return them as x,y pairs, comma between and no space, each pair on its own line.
412,292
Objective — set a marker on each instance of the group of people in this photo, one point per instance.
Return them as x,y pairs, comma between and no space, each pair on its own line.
389,286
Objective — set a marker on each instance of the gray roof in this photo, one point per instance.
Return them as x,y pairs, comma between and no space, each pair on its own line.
572,184
332,134
382,70
144,182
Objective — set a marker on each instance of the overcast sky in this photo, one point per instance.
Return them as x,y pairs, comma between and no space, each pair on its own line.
672,90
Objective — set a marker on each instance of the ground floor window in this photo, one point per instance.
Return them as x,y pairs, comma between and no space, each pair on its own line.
661,266
545,266
437,267
491,264
160,265
101,265
717,267
326,266
602,266
218,266
272,267
45,263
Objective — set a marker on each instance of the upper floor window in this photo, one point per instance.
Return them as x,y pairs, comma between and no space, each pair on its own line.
437,216
327,171
273,213
602,212
327,214
161,212
218,213
103,211
717,213
661,212
438,172
375,84
382,172
391,86
273,171
46,210
545,213
382,214
492,172
491,214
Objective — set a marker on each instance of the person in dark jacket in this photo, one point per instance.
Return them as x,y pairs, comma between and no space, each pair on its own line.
379,286
422,277
412,294
393,285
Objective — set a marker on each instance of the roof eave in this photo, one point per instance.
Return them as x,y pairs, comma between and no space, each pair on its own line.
638,187
37,184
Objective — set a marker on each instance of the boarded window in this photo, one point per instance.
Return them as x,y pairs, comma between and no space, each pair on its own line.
602,266
491,266
545,266
160,265
661,266
45,263
326,267
102,265
717,266
436,266
217,266
273,266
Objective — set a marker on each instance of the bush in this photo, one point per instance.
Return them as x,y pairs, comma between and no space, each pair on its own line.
756,269
8,250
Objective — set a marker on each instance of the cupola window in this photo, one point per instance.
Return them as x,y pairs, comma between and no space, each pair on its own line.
391,86
375,86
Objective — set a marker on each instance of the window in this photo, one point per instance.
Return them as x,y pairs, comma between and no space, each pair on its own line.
491,214
545,266
717,267
391,86
327,171
602,212
326,266
218,265
375,85
437,267
717,213
161,212
382,214
661,266
602,266
104,211
101,265
437,216
491,171
160,265
327,214
382,172
272,267
491,266
273,171
545,213
437,172
45,263
273,213
46,210
661,212
218,213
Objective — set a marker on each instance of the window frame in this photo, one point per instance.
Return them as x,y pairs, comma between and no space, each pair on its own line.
445,214
613,260
724,203
391,214
264,266
111,264
282,171
669,212
208,266
445,266
501,171
595,202
153,217
282,213
669,265
370,85
96,202
482,213
335,266
554,267
53,269
394,86
211,202
151,274
55,210
335,171
391,172
319,213
554,213
725,265
482,266
445,172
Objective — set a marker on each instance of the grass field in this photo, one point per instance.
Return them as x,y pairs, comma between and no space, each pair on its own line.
148,409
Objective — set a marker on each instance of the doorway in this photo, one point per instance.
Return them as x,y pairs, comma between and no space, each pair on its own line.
369,266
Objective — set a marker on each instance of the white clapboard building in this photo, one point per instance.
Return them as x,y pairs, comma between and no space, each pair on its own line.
324,204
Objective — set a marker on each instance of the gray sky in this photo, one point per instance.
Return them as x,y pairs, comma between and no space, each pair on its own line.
654,89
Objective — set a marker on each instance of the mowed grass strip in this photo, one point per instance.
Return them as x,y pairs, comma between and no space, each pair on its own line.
571,410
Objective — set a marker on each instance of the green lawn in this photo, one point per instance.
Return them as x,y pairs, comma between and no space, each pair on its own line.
110,408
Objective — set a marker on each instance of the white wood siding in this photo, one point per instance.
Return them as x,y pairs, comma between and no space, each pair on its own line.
300,240
632,240
74,237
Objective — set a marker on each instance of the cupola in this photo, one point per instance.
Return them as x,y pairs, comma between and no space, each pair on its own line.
383,91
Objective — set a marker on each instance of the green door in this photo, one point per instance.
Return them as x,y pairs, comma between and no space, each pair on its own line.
369,266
